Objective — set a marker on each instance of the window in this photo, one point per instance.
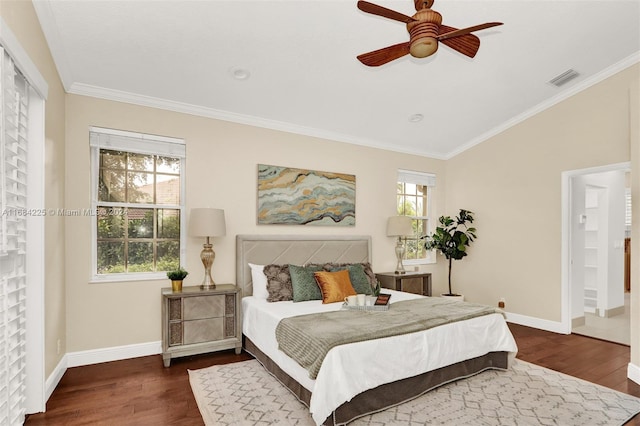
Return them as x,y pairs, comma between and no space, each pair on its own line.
13,239
138,200
22,95
414,200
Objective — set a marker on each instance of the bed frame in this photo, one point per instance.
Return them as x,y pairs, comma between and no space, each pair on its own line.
303,249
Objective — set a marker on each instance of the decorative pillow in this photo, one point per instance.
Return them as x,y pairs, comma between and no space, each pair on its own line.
278,283
304,283
259,280
335,286
367,271
359,279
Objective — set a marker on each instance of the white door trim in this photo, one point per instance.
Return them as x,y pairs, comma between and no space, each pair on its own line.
566,234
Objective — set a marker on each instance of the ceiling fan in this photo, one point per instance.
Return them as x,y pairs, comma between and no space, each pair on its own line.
425,31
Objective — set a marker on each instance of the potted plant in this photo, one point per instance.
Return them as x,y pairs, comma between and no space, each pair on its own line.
176,276
451,239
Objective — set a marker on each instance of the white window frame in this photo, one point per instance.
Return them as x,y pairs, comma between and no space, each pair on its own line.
428,180
120,140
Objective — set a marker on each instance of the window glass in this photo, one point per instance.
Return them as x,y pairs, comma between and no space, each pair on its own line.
139,204
413,201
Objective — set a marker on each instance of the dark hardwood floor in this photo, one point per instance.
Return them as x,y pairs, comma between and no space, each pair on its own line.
141,391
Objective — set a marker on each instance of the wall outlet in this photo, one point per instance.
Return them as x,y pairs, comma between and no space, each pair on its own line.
501,303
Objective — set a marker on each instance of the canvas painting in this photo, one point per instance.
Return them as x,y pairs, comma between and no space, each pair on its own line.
305,197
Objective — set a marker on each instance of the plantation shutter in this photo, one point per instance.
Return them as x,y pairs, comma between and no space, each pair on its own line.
13,272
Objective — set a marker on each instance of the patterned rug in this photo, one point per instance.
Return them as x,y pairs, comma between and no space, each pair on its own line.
244,393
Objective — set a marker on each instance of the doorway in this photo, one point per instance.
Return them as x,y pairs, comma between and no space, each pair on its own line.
598,234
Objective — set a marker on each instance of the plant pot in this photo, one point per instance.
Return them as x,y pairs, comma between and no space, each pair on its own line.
176,286
458,297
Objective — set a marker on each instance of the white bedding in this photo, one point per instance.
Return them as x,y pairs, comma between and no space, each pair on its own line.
354,368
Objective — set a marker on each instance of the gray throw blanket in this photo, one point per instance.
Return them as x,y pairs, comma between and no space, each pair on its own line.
308,338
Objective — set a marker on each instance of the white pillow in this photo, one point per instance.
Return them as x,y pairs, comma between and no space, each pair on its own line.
259,280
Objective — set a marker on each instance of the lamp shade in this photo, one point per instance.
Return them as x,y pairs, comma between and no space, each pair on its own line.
399,226
205,222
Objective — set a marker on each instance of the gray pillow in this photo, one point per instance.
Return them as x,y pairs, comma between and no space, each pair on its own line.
304,283
358,277
371,276
278,283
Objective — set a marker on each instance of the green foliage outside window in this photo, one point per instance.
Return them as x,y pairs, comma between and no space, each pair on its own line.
412,202
138,224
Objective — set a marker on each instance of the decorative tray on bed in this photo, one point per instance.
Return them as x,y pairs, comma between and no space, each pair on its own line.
365,308
380,304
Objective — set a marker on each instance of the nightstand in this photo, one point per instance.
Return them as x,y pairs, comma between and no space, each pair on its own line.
410,282
196,321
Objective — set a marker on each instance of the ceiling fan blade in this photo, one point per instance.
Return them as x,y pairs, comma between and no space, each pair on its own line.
384,55
374,9
458,33
467,44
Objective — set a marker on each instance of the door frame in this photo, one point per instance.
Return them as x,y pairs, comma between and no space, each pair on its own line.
566,195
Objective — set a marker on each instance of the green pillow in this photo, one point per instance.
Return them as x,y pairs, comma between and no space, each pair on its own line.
304,283
358,278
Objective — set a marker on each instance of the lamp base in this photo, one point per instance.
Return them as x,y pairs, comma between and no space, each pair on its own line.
207,255
399,256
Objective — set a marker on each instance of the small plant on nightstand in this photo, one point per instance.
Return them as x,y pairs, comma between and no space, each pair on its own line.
176,276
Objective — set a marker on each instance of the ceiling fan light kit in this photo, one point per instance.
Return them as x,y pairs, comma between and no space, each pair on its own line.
425,33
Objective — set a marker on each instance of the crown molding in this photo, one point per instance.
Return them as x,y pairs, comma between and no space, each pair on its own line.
185,108
570,91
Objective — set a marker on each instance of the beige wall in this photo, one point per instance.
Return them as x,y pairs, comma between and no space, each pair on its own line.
513,183
222,160
23,22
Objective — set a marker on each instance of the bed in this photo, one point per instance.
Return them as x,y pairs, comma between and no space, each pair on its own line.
359,378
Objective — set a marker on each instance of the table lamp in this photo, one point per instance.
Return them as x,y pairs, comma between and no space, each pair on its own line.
399,226
206,222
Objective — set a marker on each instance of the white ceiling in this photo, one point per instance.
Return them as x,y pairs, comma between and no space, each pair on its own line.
304,76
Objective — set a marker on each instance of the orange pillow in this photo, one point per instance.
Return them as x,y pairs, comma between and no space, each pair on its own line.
335,286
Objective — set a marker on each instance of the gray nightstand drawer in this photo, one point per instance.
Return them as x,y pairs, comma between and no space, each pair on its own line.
200,307
203,330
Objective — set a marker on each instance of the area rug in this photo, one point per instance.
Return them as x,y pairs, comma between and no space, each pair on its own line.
244,393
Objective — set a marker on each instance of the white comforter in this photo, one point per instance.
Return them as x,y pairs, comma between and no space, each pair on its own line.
354,368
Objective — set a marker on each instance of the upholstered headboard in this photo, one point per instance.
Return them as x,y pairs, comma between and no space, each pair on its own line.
296,250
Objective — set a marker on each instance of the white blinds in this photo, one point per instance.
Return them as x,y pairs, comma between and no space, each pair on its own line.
119,140
417,178
627,208
13,210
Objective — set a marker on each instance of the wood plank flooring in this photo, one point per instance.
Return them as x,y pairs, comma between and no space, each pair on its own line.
141,391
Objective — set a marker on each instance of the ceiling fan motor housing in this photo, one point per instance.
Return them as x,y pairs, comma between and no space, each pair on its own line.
424,32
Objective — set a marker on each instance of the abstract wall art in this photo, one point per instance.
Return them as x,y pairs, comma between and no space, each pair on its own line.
305,197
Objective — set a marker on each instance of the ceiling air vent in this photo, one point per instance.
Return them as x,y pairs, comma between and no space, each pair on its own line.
564,78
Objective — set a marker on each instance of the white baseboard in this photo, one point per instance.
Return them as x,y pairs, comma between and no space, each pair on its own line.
633,373
95,356
54,378
542,324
